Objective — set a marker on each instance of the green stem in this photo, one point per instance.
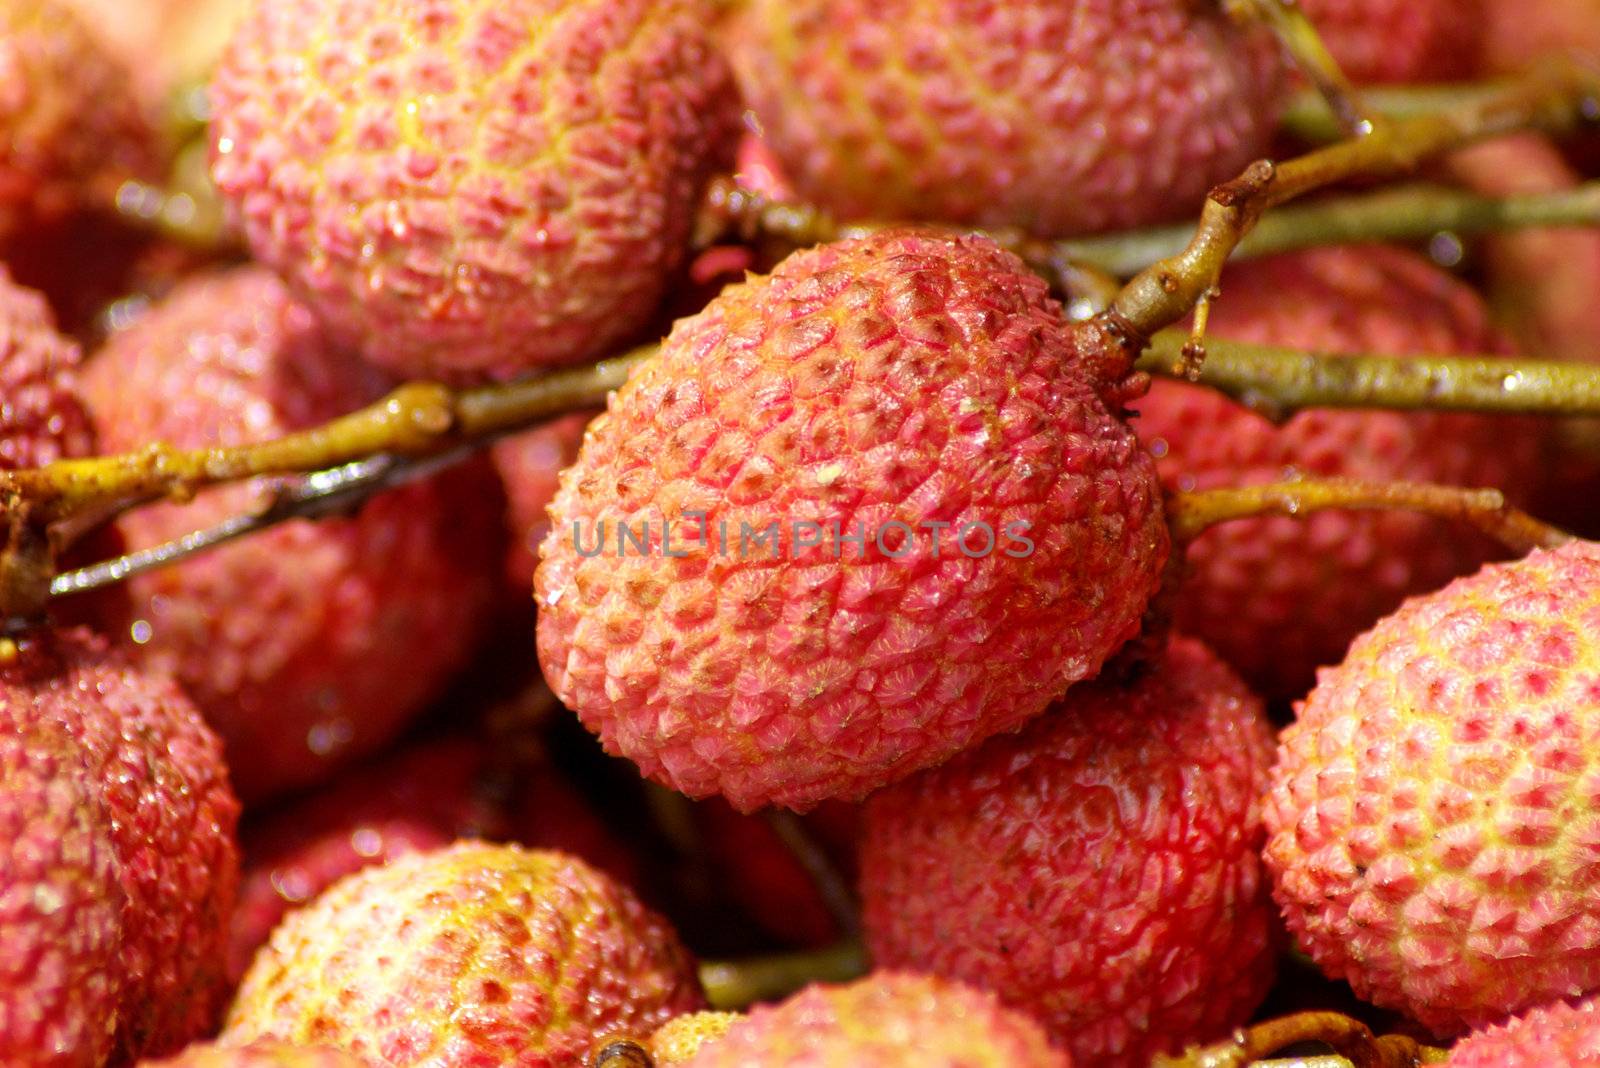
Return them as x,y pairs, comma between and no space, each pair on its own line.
733,985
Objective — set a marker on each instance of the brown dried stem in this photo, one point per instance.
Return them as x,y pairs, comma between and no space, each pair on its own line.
1347,1037
1193,513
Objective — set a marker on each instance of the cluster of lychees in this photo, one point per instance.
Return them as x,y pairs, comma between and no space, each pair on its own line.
1081,745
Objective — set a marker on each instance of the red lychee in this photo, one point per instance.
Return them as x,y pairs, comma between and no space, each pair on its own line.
1518,35
1563,1034
759,872
258,1055
1401,40
530,466
1100,871
42,418
70,127
465,188
466,956
1278,597
117,859
1061,118
1434,816
917,391
886,1020
315,642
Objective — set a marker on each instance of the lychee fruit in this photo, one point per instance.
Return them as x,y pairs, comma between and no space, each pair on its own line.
682,1036
1278,597
1099,871
1563,1033
474,954
754,867
919,392
470,188
71,129
1518,36
1377,41
117,859
530,466
42,419
315,642
258,1055
1432,822
886,1020
1061,118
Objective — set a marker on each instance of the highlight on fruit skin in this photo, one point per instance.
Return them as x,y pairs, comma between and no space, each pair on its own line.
1432,826
680,1038
880,384
470,954
1100,870
1562,1033
315,642
887,1020
1060,118
258,1055
466,189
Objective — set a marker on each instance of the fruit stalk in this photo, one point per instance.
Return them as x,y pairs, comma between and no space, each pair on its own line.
736,984
1190,514
1300,39
1349,1038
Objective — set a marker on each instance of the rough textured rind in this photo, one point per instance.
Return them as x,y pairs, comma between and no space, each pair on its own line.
42,418
117,860
1564,1034
886,1020
467,956
472,187
1279,597
258,1055
1061,118
1099,871
1379,41
680,1038
1434,816
70,128
906,377
314,642
530,467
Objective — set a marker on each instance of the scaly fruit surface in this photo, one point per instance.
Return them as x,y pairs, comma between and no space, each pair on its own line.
70,129
1099,871
258,1055
906,378
681,1037
117,859
472,187
1563,1034
471,955
315,642
1061,118
1402,40
1434,815
42,418
1278,597
886,1020
530,466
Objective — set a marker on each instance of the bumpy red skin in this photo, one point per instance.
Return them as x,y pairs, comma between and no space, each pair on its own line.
466,188
119,864
42,419
1378,41
908,376
1279,597
530,467
886,1020
467,957
313,643
1564,1034
1432,818
1059,118
70,129
1099,871
258,1055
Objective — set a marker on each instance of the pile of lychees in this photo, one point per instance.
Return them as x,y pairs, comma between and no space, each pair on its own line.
949,736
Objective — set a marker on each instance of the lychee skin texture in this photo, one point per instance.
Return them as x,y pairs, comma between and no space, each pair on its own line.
1432,821
1377,41
682,1036
315,642
117,860
1061,118
42,419
1279,597
1562,1034
69,126
1099,871
908,377
258,1055
886,1020
466,188
473,955
530,466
